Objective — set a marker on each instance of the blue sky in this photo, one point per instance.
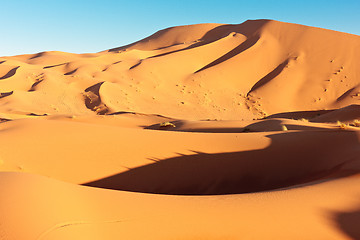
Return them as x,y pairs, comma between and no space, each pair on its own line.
94,25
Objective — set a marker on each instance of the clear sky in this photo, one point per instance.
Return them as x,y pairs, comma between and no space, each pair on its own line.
31,26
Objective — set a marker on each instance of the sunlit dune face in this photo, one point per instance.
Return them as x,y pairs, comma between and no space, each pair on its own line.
208,131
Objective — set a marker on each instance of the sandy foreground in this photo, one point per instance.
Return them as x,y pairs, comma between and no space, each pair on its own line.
209,131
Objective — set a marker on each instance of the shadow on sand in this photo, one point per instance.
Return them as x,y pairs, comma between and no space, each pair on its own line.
11,73
348,222
291,158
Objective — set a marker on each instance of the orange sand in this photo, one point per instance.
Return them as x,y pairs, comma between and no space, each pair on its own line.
207,131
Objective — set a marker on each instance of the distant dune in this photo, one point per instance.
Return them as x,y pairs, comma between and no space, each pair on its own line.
208,131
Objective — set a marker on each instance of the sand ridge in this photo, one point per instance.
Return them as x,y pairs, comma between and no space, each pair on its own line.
207,131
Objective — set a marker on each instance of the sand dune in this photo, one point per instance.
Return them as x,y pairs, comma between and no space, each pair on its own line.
176,71
57,210
208,131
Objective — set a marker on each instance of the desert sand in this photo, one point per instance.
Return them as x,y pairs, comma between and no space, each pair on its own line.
208,131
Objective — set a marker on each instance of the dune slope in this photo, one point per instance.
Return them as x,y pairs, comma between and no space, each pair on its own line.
208,131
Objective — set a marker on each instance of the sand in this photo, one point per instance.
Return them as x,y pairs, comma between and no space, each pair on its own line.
208,131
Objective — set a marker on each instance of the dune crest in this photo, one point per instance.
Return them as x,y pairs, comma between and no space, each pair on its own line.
207,131
207,71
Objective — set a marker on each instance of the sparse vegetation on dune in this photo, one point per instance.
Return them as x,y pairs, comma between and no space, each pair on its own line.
167,124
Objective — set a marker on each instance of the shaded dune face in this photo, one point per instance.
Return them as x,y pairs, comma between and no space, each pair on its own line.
290,159
256,77
261,117
207,71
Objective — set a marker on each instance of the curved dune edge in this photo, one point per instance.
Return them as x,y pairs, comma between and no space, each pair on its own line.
327,210
209,131
176,162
